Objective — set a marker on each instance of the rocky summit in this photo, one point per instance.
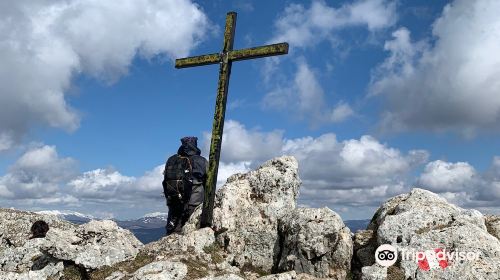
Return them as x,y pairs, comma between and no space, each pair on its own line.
422,221
259,233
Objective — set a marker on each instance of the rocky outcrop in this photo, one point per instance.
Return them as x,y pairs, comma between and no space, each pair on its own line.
493,225
92,245
316,242
420,221
15,226
86,247
247,210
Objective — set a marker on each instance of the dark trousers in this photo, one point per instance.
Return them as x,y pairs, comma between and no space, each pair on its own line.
180,211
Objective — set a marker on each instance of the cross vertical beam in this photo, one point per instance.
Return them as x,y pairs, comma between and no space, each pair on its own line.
218,124
225,59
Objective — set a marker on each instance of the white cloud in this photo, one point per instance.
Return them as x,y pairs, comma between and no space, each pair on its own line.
306,98
348,198
441,176
111,185
228,169
462,184
240,144
306,27
36,174
102,184
44,44
341,112
451,84
362,163
359,174
334,173
41,177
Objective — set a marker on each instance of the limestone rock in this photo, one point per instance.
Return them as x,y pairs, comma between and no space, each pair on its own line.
291,275
15,226
315,242
374,272
20,257
421,220
162,270
223,277
493,225
195,240
48,271
247,209
364,247
92,245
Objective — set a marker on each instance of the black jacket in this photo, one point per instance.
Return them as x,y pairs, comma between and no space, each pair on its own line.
198,163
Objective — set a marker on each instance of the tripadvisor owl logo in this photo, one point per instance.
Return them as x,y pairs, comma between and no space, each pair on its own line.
386,255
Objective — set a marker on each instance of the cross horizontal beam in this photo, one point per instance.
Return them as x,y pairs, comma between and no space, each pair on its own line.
192,61
263,51
236,55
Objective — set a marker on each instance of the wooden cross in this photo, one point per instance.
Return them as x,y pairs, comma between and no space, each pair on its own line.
225,59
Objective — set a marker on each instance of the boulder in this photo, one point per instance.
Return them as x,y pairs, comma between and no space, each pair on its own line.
162,270
422,221
223,277
195,241
50,270
20,256
364,246
15,226
374,272
88,246
92,245
315,242
247,209
493,225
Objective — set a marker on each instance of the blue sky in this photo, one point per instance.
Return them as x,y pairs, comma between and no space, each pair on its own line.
374,97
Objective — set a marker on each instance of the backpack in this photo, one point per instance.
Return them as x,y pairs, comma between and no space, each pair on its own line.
177,178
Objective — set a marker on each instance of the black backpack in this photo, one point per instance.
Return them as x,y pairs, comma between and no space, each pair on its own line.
177,178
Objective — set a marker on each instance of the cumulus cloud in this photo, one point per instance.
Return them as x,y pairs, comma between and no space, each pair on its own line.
42,178
306,27
353,163
228,169
108,185
240,143
37,174
356,175
334,173
441,176
461,183
100,184
449,82
351,199
45,44
305,96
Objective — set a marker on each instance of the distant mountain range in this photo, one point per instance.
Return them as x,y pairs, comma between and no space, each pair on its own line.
151,227
355,225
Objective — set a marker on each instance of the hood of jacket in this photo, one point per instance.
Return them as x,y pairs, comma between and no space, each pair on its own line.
188,149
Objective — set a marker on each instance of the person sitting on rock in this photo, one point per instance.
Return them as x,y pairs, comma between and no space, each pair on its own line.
39,229
183,183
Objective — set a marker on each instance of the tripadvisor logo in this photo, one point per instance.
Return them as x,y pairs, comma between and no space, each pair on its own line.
387,255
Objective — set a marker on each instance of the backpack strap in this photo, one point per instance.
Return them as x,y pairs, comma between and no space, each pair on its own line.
189,163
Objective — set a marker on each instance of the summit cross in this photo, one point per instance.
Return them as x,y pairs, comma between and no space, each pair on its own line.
225,59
